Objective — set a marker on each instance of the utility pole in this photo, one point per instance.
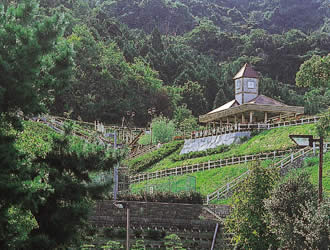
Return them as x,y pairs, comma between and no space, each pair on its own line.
320,169
115,176
127,225
308,140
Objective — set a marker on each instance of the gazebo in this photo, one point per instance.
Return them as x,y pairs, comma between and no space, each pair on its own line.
248,106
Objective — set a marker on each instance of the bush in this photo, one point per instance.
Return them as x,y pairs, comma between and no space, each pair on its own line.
211,151
295,217
182,197
163,130
173,241
147,160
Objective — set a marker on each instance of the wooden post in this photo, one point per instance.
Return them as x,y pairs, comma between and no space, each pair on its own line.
251,117
266,117
227,120
243,118
235,117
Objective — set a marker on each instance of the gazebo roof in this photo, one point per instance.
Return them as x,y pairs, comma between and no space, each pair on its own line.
246,71
260,104
265,100
225,106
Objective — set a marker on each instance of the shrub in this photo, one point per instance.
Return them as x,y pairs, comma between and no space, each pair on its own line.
211,151
172,242
163,130
295,217
147,160
182,197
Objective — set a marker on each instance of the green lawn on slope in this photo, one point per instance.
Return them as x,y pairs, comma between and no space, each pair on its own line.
206,181
269,140
311,165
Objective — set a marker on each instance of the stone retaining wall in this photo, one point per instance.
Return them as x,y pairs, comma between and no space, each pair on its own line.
186,220
200,144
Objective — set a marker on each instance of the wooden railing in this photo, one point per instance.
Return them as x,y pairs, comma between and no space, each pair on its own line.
238,127
94,125
124,135
187,169
228,188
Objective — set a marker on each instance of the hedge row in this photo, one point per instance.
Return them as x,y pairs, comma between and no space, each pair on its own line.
211,151
168,197
147,160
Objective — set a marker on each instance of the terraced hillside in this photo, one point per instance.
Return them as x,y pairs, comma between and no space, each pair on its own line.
209,180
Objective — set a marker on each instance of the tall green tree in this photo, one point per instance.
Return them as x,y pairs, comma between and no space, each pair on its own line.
62,211
294,216
315,74
34,59
34,64
248,219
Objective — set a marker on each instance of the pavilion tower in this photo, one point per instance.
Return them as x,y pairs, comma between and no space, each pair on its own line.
246,84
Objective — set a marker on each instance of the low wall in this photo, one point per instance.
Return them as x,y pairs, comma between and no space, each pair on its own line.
152,214
200,144
190,221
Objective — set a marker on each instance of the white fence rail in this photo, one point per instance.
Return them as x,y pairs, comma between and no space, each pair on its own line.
187,169
231,128
225,190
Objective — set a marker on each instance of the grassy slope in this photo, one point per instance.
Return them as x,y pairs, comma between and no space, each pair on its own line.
312,167
206,181
144,161
275,139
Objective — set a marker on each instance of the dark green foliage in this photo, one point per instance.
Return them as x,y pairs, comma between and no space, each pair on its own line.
65,206
147,160
34,61
211,151
248,219
196,47
12,191
294,216
315,74
169,197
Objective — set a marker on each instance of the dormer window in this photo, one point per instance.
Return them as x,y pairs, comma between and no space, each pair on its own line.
251,85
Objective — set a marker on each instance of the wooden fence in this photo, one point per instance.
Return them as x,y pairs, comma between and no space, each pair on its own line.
228,188
207,165
87,131
238,127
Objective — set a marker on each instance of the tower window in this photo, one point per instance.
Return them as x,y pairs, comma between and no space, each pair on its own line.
251,85
238,84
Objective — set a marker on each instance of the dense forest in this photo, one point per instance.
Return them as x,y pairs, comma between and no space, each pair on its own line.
132,55
102,60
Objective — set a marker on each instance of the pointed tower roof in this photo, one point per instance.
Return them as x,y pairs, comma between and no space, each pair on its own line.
246,71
